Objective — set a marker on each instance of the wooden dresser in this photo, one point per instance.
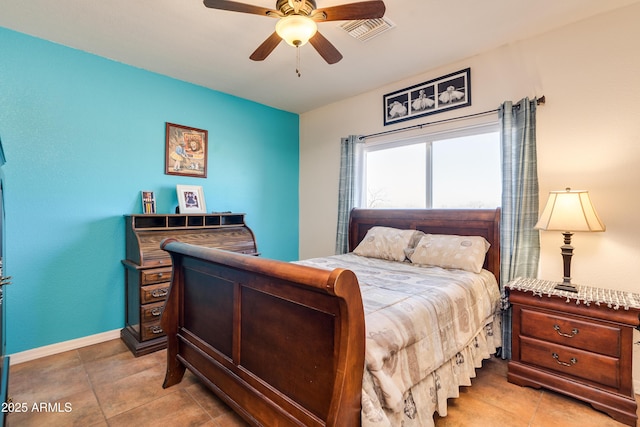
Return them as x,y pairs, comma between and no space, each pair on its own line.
148,268
579,344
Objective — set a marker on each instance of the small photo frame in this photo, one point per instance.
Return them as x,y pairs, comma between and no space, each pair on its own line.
148,202
191,199
186,151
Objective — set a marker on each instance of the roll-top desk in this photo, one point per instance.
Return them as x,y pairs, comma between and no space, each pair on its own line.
148,268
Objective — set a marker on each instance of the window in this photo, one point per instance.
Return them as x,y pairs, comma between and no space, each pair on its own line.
458,169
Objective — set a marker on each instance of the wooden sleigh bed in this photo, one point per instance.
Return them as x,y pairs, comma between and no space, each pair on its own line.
284,344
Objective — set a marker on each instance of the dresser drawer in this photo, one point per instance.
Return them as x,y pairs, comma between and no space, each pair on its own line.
571,331
154,293
155,275
151,330
152,312
578,363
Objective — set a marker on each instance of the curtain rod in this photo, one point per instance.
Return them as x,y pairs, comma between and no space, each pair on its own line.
539,101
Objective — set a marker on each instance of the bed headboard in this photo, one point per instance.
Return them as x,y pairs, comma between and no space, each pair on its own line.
463,222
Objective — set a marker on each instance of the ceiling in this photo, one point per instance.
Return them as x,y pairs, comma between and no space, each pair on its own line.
185,40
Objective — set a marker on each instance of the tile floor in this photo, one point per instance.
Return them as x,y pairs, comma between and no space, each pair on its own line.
104,385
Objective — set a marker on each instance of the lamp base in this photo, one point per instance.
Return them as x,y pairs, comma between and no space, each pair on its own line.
566,286
567,253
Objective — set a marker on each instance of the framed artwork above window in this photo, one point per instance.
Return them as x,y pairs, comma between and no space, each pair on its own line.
431,97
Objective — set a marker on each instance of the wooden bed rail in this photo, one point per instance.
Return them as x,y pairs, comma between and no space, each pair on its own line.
283,344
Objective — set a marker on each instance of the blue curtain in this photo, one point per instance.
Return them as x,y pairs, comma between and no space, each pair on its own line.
349,187
519,242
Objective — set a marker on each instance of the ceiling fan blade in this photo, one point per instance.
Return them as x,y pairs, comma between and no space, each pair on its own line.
240,7
267,46
351,11
325,48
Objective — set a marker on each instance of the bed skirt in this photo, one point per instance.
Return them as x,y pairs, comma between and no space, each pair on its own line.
430,395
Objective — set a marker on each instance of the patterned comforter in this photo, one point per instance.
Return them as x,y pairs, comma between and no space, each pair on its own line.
427,329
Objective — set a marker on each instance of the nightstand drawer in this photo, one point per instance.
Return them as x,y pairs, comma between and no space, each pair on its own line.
593,367
155,275
571,331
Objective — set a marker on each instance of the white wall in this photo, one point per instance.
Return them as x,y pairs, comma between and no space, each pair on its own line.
588,138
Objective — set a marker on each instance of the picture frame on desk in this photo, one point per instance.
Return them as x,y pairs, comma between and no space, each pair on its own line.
191,199
148,202
186,151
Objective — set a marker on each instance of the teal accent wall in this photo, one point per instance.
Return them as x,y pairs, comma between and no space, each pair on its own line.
83,135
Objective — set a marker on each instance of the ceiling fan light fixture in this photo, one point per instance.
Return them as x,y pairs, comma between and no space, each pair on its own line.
296,30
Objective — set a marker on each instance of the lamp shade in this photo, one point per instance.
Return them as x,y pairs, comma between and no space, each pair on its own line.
296,30
569,210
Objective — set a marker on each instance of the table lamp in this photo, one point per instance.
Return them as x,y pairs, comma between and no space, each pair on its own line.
569,211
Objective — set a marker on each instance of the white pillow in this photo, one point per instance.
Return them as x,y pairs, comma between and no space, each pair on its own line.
451,251
387,243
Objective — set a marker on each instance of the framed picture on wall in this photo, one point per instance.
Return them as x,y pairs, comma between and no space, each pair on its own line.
431,97
185,151
148,202
191,199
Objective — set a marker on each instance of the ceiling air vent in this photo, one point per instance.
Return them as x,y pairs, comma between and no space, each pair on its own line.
365,29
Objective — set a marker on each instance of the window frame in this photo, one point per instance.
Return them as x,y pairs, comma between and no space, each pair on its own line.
428,138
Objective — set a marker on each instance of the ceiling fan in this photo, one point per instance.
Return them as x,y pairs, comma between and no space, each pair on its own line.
297,22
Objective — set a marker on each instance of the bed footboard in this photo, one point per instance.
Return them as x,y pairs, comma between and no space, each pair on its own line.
282,344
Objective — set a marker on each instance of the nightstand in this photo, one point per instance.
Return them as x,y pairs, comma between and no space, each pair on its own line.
579,344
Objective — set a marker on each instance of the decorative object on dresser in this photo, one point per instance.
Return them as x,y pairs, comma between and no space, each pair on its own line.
191,199
148,202
148,268
569,211
576,343
186,151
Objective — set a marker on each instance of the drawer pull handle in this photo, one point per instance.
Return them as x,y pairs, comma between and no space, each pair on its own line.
573,333
156,311
572,361
156,330
157,293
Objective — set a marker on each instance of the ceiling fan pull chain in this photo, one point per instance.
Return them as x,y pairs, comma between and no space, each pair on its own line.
298,61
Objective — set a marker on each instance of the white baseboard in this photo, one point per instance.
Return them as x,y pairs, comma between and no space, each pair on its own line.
61,347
